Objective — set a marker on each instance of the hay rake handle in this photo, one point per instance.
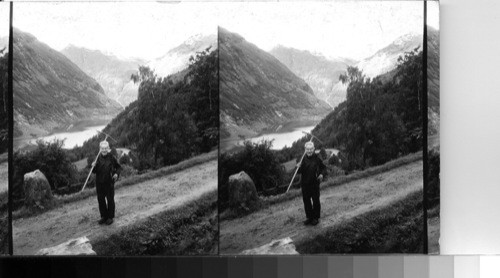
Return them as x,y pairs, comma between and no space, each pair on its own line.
95,160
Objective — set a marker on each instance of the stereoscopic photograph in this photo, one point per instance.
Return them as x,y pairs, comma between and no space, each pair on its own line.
4,128
115,129
321,127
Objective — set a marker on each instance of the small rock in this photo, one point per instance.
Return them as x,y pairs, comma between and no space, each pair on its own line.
78,246
282,246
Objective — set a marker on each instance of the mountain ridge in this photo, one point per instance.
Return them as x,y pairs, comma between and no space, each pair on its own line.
50,91
112,73
319,72
257,90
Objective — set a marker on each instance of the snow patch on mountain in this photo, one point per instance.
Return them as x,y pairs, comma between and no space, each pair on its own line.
177,59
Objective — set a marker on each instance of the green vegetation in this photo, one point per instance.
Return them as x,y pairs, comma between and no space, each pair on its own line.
173,119
191,229
51,160
397,228
380,120
258,161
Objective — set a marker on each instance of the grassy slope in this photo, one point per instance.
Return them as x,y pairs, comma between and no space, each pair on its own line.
335,181
189,230
397,228
88,192
339,204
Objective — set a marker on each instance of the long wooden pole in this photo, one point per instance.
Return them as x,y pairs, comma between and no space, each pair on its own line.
91,169
296,170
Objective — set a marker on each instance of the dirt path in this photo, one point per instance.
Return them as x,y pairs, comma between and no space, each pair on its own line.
133,203
337,204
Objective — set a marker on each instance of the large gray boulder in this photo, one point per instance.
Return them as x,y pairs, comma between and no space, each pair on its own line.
242,192
282,246
78,246
37,191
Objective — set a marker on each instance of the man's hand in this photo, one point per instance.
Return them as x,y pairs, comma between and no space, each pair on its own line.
320,177
115,177
298,165
93,164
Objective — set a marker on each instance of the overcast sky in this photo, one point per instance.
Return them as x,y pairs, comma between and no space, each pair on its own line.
4,21
128,29
352,29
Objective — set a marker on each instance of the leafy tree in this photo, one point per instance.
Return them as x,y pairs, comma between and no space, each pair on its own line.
174,117
381,118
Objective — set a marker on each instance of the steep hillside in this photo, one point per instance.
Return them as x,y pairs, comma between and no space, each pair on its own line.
257,90
319,72
50,91
172,119
112,73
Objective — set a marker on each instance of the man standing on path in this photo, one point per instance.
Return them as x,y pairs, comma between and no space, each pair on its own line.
107,170
313,171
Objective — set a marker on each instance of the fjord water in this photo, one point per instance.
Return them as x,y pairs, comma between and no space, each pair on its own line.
75,138
73,135
282,139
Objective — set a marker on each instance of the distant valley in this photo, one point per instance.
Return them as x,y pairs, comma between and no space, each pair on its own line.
258,91
322,73
114,73
50,91
54,90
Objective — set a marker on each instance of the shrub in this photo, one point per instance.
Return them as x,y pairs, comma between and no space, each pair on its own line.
124,159
48,157
334,160
258,161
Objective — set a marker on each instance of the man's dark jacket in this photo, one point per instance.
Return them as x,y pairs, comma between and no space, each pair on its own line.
310,168
105,168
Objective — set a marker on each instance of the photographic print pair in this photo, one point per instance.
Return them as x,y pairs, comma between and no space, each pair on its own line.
220,128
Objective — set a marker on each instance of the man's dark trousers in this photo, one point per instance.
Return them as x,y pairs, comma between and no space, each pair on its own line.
310,196
106,192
